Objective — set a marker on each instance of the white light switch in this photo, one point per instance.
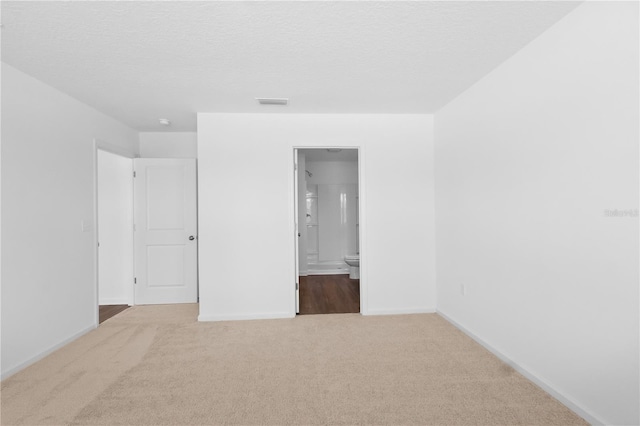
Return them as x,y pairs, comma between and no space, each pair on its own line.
85,226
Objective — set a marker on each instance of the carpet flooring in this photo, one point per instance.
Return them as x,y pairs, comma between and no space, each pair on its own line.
156,365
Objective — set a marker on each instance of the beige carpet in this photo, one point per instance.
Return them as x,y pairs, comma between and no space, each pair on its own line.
157,365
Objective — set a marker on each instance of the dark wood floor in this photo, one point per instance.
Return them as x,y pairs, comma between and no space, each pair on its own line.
329,294
107,311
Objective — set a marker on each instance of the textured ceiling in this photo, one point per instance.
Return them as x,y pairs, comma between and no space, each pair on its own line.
138,61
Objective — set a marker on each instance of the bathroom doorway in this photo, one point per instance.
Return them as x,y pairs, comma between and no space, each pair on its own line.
328,230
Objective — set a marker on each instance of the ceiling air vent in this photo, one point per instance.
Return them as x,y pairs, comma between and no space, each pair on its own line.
273,101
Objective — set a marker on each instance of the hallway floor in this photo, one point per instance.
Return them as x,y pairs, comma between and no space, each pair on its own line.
329,294
108,311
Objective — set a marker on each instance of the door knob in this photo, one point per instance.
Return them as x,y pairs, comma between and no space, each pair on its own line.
191,238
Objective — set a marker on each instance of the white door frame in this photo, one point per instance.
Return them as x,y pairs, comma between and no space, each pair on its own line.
99,144
296,226
364,306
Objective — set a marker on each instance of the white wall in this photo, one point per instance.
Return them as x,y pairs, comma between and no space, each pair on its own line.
336,189
48,262
527,162
336,221
115,229
168,145
302,214
331,172
246,210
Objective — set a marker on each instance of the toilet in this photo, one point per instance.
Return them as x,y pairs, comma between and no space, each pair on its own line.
353,260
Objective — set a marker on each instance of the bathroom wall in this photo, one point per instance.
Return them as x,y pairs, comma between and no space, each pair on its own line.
333,234
302,217
329,172
246,174
528,163
336,221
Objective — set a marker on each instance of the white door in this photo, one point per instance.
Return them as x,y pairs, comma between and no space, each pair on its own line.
165,231
115,229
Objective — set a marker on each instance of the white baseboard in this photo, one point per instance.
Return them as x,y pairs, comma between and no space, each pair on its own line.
242,317
33,360
400,311
568,402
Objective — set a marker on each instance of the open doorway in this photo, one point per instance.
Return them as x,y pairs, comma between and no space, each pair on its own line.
146,230
328,234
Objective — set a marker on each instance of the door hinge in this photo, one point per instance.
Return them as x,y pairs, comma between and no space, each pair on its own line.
297,286
134,174
135,281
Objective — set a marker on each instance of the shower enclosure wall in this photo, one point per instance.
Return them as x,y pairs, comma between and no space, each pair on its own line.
331,216
328,204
